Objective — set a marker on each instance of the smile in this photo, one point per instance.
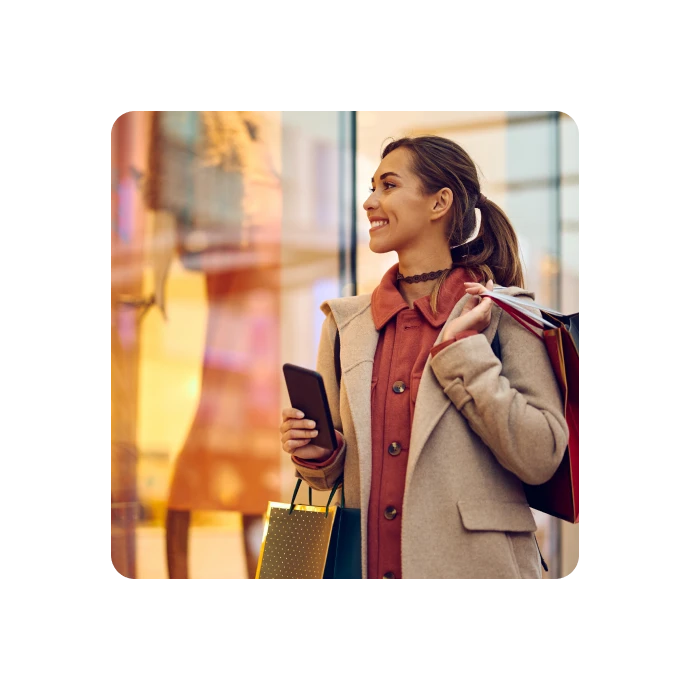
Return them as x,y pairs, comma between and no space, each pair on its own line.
378,224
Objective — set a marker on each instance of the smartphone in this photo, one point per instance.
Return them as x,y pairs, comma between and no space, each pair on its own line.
308,393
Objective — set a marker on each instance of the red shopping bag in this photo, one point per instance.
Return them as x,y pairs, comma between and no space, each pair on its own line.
560,496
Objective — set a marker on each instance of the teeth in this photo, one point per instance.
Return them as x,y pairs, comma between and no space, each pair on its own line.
379,223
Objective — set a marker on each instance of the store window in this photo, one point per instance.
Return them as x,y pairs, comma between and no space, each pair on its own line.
226,236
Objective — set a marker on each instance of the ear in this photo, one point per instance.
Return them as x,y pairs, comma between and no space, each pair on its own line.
442,201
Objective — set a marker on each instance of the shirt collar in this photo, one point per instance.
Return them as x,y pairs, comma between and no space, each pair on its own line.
386,300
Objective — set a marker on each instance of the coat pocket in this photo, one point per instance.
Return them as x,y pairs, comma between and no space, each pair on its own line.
496,516
502,537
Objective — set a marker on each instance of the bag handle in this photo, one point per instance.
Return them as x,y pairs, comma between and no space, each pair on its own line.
330,498
519,305
521,318
519,302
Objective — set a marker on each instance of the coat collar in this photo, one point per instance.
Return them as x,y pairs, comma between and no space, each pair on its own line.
387,301
359,337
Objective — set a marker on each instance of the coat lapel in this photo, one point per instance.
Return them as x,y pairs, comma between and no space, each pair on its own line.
358,340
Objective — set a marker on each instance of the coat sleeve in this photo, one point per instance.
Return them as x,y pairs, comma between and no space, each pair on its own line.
318,476
514,404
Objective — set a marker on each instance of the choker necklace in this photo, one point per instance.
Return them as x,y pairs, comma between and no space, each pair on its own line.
421,277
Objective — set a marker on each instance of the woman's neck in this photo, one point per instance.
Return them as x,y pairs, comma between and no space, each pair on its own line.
414,291
416,263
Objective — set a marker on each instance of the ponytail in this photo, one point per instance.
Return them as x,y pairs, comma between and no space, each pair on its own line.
493,254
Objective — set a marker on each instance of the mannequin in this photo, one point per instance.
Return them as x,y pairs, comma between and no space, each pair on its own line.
209,182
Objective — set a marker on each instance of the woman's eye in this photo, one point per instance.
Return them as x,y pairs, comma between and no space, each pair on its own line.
385,184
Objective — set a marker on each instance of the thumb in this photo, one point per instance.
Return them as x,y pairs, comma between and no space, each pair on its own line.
490,285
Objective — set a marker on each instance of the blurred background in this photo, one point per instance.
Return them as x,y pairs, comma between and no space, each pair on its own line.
228,230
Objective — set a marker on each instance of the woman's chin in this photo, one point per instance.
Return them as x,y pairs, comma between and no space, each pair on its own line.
378,247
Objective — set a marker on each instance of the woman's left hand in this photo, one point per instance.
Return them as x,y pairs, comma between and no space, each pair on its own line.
475,315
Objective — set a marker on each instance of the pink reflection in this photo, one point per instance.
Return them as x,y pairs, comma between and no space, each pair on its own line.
126,208
127,327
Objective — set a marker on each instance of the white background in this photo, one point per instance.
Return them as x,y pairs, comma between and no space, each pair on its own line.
69,619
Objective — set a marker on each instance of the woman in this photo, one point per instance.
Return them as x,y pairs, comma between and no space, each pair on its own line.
435,433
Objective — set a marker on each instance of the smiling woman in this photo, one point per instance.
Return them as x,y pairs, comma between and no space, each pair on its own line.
443,497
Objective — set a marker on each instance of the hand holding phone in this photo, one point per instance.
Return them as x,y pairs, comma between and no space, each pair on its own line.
311,436
294,437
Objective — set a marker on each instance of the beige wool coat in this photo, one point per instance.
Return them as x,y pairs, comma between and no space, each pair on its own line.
481,426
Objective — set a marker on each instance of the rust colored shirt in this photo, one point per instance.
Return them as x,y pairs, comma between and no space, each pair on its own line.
406,339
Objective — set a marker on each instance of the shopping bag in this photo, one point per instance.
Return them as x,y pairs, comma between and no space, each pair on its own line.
347,559
560,496
310,542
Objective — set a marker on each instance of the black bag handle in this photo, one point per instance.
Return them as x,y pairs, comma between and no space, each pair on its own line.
330,498
336,356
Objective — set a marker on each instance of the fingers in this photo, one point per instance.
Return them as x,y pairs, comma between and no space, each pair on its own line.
296,431
479,316
478,288
482,303
290,445
476,313
474,288
297,424
291,412
482,310
294,419
295,438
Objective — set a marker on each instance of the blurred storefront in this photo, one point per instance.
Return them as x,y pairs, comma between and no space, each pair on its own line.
228,231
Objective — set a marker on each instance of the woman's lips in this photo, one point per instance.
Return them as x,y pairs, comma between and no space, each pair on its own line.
378,227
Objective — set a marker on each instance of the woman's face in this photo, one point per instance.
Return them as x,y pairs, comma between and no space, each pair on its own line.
399,212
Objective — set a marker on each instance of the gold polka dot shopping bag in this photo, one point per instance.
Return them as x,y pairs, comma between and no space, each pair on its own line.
310,542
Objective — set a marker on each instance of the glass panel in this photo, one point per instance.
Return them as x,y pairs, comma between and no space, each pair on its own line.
225,241
570,218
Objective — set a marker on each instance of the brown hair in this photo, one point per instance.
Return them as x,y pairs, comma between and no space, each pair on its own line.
493,253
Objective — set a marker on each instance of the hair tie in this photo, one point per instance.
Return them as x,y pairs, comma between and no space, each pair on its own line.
481,200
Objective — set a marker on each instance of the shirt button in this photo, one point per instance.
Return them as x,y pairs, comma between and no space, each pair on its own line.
398,386
388,576
390,513
394,448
